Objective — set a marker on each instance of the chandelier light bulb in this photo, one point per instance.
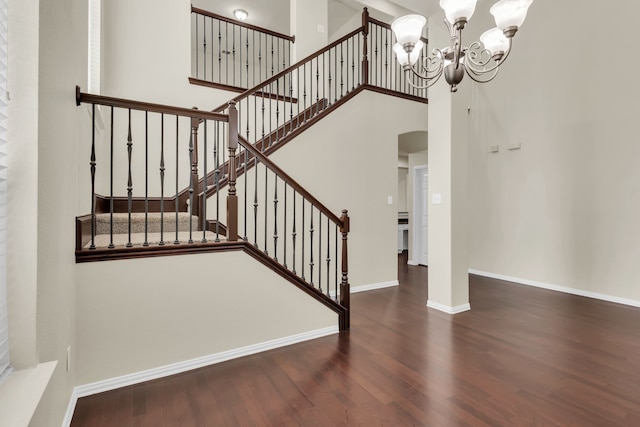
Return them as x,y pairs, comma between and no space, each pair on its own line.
495,42
404,58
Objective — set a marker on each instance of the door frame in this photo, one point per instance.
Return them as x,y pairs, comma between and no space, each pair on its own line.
416,213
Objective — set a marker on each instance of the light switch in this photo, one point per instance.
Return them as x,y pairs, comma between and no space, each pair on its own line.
389,200
321,28
436,199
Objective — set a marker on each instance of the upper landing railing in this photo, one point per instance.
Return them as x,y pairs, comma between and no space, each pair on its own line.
234,55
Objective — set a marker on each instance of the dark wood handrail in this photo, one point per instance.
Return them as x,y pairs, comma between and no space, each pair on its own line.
286,71
146,106
292,182
242,24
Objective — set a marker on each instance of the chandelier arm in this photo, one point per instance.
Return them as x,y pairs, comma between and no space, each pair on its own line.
475,76
429,61
472,54
430,82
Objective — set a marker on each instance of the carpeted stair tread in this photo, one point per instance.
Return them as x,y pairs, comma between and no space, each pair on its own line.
121,222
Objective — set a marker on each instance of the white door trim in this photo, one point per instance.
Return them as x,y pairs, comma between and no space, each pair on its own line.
416,214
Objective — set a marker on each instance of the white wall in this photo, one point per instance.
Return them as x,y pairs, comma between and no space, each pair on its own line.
172,309
563,209
310,25
350,161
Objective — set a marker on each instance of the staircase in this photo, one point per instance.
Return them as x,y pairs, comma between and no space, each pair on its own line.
190,156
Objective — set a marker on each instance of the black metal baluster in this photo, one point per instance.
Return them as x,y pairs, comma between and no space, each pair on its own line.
177,241
259,57
275,217
353,63
263,120
319,250
311,230
272,60
129,181
92,164
212,55
341,72
317,85
205,185
255,204
111,245
226,50
247,64
219,52
284,227
294,234
197,50
266,211
328,256
233,52
146,179
246,191
386,57
216,178
303,239
324,81
335,264
162,169
304,88
277,109
291,103
204,47
335,72
347,43
329,53
191,183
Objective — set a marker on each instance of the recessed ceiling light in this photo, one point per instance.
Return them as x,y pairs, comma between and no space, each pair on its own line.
240,14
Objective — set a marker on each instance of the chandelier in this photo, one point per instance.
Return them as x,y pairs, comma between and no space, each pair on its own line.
481,60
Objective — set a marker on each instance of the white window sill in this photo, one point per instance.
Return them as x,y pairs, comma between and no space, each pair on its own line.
21,393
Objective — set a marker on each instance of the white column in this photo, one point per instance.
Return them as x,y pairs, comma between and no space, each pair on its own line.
309,24
448,171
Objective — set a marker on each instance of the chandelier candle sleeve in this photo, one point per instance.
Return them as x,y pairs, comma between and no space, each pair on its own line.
480,60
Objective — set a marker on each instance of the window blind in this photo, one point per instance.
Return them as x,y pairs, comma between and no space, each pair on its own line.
4,329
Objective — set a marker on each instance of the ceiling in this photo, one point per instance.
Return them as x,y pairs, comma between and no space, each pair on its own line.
274,14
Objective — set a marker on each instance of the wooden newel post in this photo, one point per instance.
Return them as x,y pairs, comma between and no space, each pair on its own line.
193,159
345,288
232,198
365,33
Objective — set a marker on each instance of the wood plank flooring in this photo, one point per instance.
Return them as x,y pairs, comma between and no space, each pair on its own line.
520,357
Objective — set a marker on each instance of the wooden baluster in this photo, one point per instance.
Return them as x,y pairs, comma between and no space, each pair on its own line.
202,209
129,181
232,198
365,50
193,177
92,164
345,288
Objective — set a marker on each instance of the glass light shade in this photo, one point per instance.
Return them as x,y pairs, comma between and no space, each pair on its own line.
510,13
456,9
494,40
408,28
240,14
402,56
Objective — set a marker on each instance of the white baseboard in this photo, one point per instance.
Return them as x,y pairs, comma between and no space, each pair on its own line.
364,288
448,309
412,262
187,365
381,285
564,289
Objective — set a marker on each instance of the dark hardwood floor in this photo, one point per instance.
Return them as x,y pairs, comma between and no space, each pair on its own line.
520,357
